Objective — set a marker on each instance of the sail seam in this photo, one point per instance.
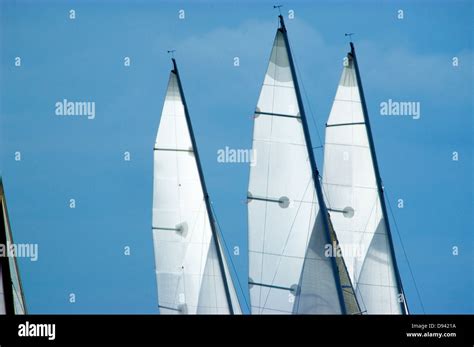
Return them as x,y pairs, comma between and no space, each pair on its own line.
278,85
350,186
269,142
347,100
346,145
285,256
270,309
169,308
364,232
377,285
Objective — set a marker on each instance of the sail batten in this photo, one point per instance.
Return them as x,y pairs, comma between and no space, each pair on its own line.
288,225
354,195
192,273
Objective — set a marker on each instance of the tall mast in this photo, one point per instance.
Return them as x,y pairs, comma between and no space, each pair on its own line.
204,189
4,261
403,306
314,168
6,274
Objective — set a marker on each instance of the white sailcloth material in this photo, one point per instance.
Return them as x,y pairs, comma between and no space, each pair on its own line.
187,268
16,288
288,272
353,200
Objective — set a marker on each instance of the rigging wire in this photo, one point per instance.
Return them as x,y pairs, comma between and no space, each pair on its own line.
309,105
321,146
325,193
288,239
230,258
404,252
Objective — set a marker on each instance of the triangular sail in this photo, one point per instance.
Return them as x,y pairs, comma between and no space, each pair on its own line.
354,200
349,295
288,270
191,270
11,291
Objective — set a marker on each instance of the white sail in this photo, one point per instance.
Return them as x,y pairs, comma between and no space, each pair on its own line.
288,272
189,276
14,281
354,203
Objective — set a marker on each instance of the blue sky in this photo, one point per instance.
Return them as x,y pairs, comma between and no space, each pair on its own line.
81,250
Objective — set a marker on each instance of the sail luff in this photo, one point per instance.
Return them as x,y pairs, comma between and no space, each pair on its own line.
312,160
204,189
403,305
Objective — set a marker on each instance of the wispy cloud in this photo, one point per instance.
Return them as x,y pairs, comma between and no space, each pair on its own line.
391,69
